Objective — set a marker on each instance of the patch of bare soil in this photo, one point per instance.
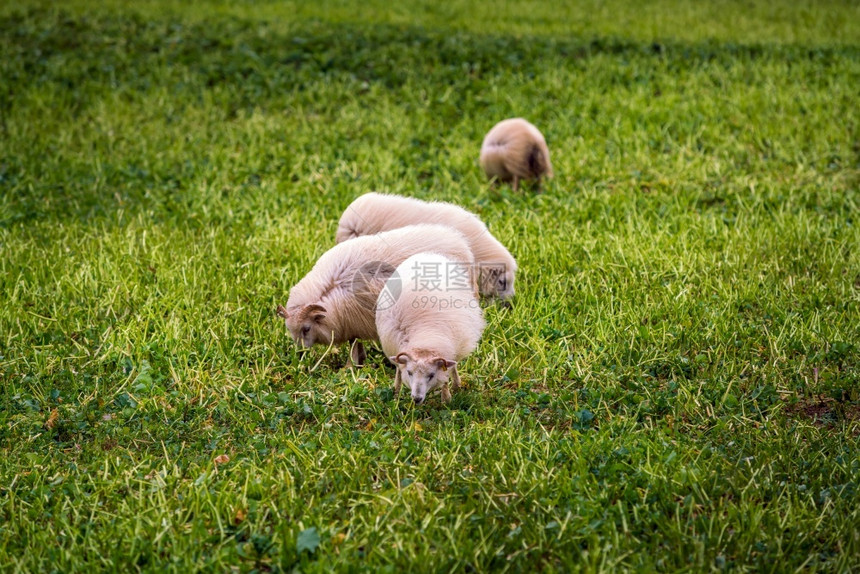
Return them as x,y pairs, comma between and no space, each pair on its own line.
824,412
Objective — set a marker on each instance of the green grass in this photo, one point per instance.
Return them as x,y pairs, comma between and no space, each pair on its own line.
675,387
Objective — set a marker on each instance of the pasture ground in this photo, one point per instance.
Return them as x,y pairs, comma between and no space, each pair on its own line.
675,387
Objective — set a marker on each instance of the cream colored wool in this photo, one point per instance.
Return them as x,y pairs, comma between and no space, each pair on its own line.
514,150
334,303
433,323
375,212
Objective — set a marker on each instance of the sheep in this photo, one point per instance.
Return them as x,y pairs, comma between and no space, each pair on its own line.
433,323
513,150
334,303
375,212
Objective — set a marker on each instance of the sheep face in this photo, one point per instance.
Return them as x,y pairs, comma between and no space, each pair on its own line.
307,325
422,374
498,280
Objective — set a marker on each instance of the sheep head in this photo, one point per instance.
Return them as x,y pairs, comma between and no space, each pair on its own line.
422,373
497,280
307,325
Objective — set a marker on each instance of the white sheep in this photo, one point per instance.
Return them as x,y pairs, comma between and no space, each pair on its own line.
427,320
334,303
513,150
375,212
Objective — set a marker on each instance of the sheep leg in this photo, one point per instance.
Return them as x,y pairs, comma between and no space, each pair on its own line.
357,354
455,379
446,394
398,381
516,182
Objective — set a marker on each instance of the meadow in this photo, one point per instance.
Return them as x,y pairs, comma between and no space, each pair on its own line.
675,387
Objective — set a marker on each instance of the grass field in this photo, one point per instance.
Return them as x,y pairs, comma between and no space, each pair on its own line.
677,385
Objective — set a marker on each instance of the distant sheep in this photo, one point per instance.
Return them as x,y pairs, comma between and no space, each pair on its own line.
513,150
334,303
433,323
375,212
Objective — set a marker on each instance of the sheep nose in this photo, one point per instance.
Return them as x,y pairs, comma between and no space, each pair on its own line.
503,283
417,400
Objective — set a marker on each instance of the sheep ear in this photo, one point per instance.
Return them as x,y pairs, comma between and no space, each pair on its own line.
315,312
400,359
444,364
282,312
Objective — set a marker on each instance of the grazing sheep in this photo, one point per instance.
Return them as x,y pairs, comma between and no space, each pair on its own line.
334,303
513,150
375,212
434,323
